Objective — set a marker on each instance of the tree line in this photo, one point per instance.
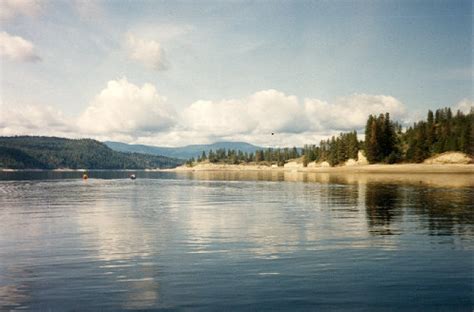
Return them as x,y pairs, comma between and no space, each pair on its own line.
384,142
267,156
442,131
335,150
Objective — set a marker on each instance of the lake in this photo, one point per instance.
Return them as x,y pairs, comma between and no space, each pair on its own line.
236,241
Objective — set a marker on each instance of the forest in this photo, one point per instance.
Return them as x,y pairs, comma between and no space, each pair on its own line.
385,142
34,152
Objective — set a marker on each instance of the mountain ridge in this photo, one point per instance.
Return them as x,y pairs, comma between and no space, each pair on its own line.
182,152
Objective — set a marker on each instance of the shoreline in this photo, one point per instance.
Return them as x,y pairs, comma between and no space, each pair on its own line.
373,168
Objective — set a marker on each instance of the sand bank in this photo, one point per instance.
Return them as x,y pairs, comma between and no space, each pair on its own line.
376,168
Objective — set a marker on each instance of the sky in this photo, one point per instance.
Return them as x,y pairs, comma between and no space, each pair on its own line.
172,73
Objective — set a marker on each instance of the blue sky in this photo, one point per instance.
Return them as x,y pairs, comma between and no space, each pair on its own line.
172,73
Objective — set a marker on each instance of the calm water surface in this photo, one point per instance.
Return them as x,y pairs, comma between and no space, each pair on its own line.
235,241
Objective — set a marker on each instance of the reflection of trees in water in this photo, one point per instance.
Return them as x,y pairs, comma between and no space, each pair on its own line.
341,198
382,207
446,211
440,211
336,193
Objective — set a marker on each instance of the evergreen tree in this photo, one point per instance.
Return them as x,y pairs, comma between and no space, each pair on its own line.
381,139
441,133
371,144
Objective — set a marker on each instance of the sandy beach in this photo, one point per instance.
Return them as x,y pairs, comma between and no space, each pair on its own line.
375,168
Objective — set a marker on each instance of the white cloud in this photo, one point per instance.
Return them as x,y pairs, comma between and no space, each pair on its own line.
218,118
263,112
148,52
122,111
35,120
123,107
274,111
351,112
271,111
125,112
17,48
11,8
465,106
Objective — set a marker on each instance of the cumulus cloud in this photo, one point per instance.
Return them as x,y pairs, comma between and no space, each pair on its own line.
148,52
262,112
35,120
12,8
271,111
125,112
274,111
123,107
122,111
17,48
465,106
218,118
347,113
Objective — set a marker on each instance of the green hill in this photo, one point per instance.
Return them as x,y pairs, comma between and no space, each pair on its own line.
31,152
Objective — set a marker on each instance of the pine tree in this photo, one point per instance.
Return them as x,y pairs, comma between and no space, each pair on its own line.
371,143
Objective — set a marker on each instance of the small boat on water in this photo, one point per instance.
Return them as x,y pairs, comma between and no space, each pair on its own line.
133,177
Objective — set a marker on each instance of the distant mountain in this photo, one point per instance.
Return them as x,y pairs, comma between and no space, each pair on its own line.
184,152
30,152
